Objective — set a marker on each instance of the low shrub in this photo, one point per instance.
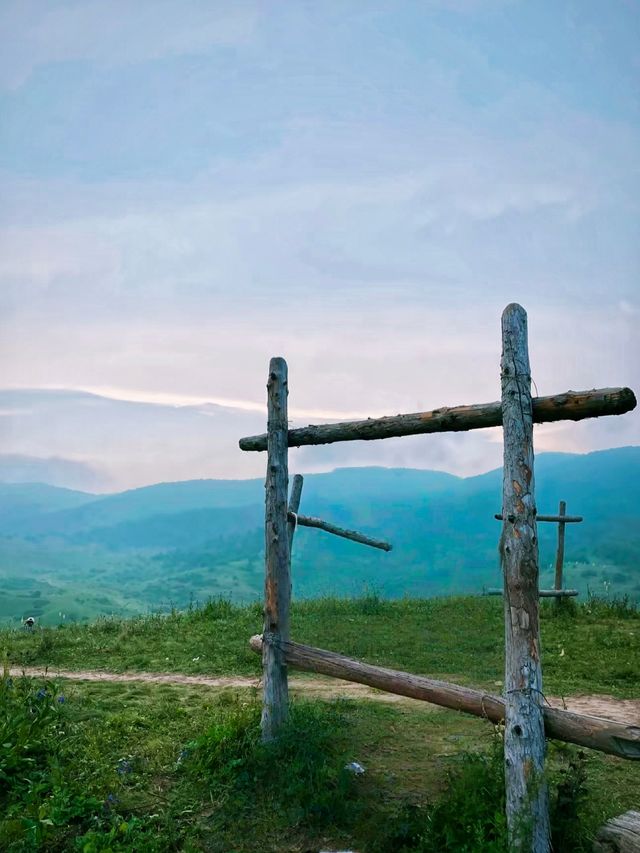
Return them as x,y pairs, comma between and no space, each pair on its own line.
29,717
36,794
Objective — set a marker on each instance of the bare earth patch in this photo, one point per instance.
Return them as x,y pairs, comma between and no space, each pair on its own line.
622,710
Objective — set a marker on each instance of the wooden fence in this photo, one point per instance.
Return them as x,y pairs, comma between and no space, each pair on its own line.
561,519
521,708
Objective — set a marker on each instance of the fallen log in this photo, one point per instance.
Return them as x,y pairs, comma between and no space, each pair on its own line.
308,521
570,406
603,735
619,835
542,593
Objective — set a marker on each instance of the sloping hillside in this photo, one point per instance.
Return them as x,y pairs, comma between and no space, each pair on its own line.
172,542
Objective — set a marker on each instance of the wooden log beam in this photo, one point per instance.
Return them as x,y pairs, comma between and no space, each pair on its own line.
277,585
527,804
565,519
571,406
542,593
619,835
307,521
592,732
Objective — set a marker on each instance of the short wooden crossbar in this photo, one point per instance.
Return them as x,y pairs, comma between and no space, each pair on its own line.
542,593
563,519
353,535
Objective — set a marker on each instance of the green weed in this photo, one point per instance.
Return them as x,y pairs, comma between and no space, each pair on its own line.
300,776
618,607
457,639
37,797
469,816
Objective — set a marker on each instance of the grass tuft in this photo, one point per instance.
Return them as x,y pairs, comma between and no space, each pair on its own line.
300,778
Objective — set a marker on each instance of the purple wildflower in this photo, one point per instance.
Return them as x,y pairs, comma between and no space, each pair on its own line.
110,802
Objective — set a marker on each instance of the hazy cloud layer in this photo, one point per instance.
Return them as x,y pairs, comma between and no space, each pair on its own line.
190,188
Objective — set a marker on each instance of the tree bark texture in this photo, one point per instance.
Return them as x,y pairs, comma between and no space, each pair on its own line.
524,741
619,835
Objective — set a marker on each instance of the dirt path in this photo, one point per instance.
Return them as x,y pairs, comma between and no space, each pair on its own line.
623,710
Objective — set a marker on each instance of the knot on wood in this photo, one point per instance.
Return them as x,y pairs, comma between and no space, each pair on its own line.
270,638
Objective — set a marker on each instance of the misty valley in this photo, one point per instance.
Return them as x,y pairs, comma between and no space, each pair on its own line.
71,556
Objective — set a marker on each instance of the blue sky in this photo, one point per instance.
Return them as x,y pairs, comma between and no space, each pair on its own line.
191,187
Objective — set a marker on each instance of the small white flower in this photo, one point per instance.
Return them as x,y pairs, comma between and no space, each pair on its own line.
196,659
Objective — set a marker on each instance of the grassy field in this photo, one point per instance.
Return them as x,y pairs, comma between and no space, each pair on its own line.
590,648
116,775
151,767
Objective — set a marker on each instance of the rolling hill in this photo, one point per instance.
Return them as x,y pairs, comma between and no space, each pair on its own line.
68,555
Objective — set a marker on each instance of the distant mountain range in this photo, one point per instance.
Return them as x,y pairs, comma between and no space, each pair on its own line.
67,554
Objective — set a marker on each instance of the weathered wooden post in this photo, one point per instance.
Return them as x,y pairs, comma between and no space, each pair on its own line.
524,740
562,511
275,706
294,506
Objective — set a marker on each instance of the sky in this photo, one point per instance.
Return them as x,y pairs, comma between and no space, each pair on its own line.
189,187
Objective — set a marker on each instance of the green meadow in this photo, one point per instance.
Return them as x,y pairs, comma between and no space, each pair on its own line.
165,767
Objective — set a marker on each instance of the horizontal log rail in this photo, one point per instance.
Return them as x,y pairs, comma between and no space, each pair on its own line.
308,521
570,406
542,593
565,519
603,735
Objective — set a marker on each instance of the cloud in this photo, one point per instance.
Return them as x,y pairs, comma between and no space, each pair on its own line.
464,454
358,189
376,311
55,471
113,32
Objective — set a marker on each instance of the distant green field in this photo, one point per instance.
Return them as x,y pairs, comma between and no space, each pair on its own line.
69,556
593,648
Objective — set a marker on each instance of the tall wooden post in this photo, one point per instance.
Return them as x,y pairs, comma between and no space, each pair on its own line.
524,742
562,511
275,707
